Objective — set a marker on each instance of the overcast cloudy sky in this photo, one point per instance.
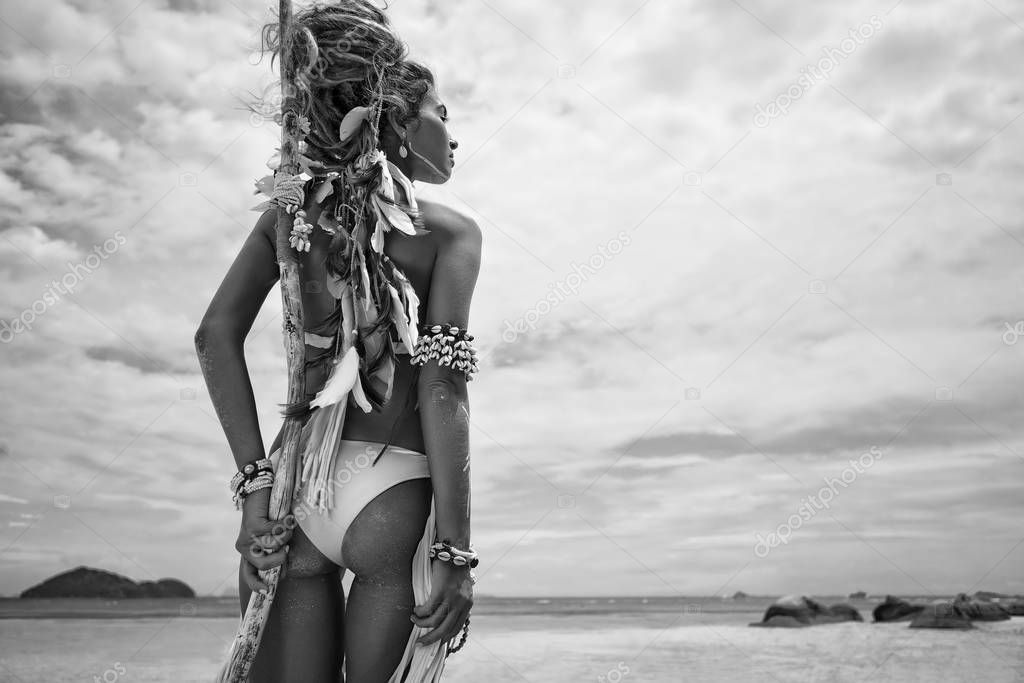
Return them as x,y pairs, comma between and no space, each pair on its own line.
743,244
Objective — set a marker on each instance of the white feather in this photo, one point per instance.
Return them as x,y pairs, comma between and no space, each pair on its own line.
396,174
348,318
343,375
360,396
413,311
401,319
365,276
351,122
398,219
323,191
387,187
377,238
336,285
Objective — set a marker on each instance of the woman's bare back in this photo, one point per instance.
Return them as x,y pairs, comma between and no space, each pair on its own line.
415,256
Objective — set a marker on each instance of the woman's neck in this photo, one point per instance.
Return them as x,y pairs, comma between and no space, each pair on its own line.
404,164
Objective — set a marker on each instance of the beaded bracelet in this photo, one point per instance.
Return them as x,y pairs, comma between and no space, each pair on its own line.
447,545
263,481
254,475
450,345
249,471
446,552
452,649
258,483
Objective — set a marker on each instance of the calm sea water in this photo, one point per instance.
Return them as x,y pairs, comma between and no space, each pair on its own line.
653,610
614,640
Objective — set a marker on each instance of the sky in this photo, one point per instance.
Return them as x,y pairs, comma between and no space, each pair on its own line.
748,309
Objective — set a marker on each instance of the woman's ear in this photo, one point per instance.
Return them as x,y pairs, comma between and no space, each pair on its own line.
400,131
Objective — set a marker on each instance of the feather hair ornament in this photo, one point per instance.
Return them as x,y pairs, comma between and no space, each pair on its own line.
377,309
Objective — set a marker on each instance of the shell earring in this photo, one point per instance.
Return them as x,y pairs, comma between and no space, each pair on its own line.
402,151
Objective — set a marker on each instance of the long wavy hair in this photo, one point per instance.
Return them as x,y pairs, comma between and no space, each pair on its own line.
338,48
347,55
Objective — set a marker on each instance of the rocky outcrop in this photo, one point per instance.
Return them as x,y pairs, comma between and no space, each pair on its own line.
941,614
86,582
989,595
165,588
980,610
959,613
795,611
896,609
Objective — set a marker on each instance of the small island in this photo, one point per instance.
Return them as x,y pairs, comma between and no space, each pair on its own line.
87,582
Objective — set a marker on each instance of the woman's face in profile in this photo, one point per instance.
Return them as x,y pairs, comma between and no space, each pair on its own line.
431,147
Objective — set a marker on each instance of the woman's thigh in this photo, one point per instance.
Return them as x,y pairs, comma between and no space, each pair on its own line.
378,548
304,632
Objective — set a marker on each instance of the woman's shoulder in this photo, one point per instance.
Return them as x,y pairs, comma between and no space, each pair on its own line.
447,223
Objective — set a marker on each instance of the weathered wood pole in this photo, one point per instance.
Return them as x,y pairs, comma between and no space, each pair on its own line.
250,631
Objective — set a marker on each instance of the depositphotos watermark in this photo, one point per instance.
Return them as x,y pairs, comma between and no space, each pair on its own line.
826,494
614,674
814,73
76,272
1013,332
112,674
572,282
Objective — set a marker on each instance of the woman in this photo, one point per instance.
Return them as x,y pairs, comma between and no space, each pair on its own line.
374,295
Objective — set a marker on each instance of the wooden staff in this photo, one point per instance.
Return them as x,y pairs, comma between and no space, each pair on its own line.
250,630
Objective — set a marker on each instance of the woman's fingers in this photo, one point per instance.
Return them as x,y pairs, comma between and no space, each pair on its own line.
252,577
264,560
430,606
255,561
267,542
433,618
272,535
448,628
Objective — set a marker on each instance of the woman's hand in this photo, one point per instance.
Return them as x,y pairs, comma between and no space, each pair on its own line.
451,598
261,541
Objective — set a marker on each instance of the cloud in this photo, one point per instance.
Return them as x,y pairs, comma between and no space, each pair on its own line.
141,363
790,295
4,498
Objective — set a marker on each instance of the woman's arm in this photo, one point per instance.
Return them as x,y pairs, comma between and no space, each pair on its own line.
443,399
221,336
444,415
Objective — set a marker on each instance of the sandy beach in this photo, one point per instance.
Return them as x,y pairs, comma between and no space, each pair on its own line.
608,642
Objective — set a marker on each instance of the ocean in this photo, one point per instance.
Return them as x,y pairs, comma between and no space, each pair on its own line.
603,639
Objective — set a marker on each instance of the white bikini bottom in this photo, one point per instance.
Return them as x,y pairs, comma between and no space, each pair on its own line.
356,483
